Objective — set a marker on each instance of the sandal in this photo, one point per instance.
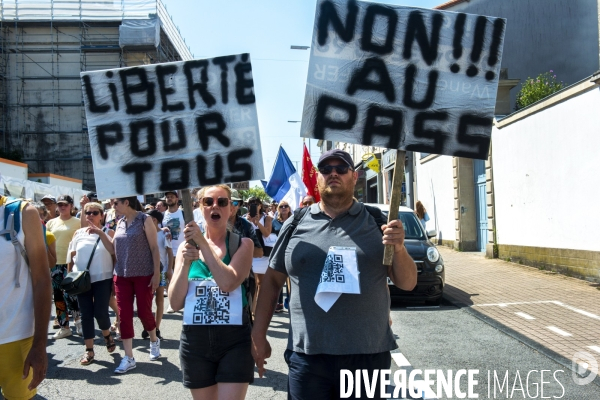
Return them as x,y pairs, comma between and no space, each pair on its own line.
110,343
87,358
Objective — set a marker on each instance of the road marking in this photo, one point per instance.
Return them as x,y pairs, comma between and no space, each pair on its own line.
577,310
423,389
400,360
559,331
595,348
523,315
558,303
514,304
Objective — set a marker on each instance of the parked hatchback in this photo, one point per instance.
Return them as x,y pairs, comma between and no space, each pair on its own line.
431,276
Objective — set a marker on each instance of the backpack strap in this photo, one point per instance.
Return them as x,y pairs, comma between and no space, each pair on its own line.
299,214
378,216
12,225
235,241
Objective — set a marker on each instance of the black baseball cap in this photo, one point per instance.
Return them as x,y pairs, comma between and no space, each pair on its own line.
155,214
92,196
336,153
172,191
65,198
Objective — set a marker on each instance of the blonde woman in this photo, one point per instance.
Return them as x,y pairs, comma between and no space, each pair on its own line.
215,354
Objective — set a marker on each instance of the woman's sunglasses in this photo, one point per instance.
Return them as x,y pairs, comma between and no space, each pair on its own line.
92,213
284,206
209,201
339,169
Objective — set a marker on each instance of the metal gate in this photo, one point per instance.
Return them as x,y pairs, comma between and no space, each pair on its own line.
480,203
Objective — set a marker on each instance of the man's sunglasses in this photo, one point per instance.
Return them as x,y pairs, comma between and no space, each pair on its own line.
209,201
235,203
92,213
339,169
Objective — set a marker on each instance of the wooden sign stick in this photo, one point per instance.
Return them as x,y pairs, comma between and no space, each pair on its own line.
388,254
188,209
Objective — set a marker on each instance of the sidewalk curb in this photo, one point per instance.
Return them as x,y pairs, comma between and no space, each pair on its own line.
565,362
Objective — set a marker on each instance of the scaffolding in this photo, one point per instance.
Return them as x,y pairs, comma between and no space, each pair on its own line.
42,51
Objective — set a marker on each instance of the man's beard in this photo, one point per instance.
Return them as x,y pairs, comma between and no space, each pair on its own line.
334,196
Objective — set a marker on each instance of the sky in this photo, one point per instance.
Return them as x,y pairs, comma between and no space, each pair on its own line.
266,29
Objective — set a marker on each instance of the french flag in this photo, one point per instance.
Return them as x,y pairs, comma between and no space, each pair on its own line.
285,183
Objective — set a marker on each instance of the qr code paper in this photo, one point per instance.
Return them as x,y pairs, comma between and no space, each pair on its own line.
334,269
212,306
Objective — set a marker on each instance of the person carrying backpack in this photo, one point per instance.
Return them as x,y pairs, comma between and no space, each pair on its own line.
25,287
333,255
208,284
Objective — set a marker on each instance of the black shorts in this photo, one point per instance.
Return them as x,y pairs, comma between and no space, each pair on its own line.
213,354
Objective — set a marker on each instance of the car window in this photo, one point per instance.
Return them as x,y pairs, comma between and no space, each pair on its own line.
412,227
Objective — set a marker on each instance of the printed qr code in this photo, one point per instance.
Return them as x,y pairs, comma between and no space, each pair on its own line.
334,269
212,306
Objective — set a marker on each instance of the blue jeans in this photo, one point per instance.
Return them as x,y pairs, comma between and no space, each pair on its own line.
317,377
94,303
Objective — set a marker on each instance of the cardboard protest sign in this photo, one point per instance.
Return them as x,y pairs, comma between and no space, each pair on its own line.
172,126
403,78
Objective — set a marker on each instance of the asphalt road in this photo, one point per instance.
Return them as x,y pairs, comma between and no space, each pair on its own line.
444,338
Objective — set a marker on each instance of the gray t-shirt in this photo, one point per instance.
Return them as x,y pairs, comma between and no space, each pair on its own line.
356,323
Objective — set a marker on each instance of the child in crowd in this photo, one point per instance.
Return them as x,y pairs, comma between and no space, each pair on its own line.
167,262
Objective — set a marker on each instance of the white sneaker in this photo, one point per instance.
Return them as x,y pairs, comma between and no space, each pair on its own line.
78,327
62,333
127,363
154,350
170,310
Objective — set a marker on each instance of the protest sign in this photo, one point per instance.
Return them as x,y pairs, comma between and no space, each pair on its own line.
403,78
172,126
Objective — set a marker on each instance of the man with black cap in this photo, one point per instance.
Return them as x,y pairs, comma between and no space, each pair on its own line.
334,261
173,219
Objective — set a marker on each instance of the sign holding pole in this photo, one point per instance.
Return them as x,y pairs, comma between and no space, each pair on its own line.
403,78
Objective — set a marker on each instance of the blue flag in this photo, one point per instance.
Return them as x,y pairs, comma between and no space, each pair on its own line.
285,183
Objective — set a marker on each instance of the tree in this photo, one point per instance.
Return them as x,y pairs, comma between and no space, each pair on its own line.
256,191
533,90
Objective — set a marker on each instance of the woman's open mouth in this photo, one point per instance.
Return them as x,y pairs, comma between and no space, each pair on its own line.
215,217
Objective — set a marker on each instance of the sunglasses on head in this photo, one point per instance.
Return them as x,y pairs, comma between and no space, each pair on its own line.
92,213
339,169
209,201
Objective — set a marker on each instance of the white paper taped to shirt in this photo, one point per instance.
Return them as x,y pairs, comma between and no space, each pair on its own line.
207,304
260,265
340,275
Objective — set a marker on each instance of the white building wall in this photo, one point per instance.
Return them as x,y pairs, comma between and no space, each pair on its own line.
435,190
10,168
546,177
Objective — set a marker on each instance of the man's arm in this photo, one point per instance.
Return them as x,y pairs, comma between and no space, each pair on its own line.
40,278
270,286
403,271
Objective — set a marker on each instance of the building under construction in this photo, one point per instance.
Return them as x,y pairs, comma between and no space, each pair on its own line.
44,45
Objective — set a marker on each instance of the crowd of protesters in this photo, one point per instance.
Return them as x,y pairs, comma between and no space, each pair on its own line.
140,253
129,249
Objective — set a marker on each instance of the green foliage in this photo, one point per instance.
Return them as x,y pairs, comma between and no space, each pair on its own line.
256,191
535,89
14,155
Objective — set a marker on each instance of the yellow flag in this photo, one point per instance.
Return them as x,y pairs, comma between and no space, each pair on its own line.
373,164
